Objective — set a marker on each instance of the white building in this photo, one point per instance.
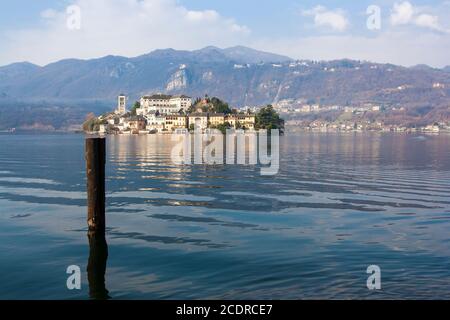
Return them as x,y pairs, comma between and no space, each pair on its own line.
121,104
155,122
198,120
164,104
102,129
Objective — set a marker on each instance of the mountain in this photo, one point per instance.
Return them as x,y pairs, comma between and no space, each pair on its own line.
16,71
423,67
248,55
239,75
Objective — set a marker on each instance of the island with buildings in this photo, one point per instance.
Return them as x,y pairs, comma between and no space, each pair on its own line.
161,113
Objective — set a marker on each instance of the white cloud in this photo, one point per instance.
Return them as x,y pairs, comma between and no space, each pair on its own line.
120,27
402,13
201,16
404,47
428,21
405,13
134,27
334,19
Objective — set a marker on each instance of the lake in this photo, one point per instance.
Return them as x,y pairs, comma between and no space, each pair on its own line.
340,203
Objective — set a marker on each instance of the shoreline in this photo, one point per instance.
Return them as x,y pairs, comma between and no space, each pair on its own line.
287,132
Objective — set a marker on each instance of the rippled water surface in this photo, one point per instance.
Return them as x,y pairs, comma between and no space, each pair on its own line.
339,204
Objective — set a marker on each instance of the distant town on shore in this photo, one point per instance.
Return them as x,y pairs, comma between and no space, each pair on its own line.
301,115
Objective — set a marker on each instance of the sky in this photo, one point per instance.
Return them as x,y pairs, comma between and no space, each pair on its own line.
399,32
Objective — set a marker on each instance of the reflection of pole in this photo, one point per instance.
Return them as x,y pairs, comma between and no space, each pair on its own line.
95,170
98,255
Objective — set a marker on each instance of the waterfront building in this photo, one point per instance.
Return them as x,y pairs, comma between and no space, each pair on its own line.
175,122
241,121
164,104
199,120
247,121
155,122
216,119
137,123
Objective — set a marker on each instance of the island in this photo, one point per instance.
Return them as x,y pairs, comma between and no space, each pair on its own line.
161,113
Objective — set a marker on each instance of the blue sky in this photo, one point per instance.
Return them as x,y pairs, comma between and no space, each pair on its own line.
411,32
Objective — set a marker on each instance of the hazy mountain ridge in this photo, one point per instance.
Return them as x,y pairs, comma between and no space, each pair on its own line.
239,75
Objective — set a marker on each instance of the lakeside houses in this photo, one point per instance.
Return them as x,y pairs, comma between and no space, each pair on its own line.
299,107
199,120
362,126
370,116
161,113
173,122
137,123
242,120
217,119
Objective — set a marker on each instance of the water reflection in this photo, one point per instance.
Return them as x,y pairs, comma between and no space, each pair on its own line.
338,203
98,256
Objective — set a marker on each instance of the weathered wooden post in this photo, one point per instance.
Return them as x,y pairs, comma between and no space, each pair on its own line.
95,169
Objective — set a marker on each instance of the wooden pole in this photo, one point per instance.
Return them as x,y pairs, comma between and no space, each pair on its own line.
95,154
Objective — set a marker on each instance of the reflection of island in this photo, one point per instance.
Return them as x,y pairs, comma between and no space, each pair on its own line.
98,255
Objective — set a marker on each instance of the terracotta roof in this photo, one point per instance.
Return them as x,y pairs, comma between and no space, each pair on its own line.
136,118
160,96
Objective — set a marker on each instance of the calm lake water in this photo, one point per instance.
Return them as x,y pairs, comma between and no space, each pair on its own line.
340,203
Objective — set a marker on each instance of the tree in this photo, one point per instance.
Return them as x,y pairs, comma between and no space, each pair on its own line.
93,124
223,127
193,107
267,118
219,106
136,105
212,105
89,122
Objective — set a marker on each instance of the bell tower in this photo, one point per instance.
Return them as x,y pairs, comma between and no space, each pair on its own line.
121,104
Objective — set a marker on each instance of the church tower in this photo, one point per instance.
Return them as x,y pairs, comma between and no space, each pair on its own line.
121,104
